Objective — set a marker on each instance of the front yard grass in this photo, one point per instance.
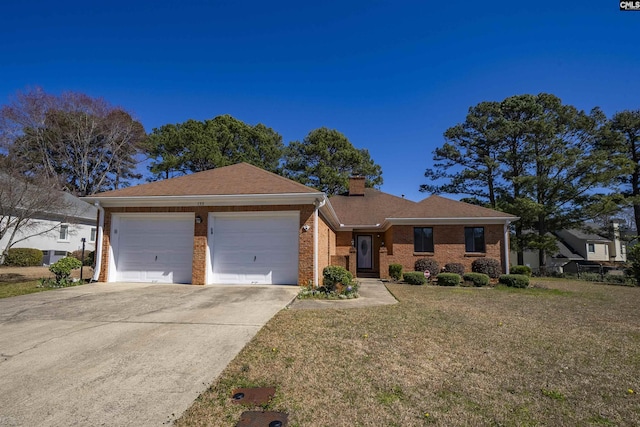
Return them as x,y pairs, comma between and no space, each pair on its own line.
15,281
566,355
12,289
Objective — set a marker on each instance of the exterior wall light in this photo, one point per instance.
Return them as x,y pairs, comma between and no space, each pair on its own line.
198,219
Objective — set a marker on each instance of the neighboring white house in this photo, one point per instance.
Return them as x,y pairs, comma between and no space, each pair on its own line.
58,233
582,246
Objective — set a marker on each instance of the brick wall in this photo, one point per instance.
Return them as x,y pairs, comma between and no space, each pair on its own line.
326,245
448,243
305,249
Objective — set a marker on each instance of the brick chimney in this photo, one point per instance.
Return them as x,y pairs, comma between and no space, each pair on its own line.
356,186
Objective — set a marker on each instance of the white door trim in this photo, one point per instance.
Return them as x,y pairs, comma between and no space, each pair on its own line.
250,214
116,217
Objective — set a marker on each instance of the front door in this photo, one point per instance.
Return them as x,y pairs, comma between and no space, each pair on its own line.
364,247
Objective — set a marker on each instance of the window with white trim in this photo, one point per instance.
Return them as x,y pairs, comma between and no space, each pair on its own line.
94,232
591,248
64,233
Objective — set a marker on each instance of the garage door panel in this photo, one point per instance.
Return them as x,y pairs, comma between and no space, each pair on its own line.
155,249
255,249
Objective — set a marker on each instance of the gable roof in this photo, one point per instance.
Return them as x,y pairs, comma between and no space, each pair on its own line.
588,234
63,207
238,179
376,209
371,209
436,206
245,184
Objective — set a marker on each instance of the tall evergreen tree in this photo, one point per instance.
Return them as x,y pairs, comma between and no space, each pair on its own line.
325,160
195,146
529,155
620,142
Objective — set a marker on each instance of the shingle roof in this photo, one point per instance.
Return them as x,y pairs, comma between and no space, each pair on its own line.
372,208
440,207
77,208
565,251
241,178
375,206
586,235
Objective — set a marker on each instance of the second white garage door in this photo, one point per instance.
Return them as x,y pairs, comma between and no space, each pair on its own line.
254,248
156,248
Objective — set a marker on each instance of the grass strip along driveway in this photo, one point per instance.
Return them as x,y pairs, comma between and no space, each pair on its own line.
565,355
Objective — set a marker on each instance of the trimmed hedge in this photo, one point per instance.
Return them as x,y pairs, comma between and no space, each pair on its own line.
424,264
488,266
395,271
514,280
23,257
334,274
521,269
476,279
414,278
448,279
454,267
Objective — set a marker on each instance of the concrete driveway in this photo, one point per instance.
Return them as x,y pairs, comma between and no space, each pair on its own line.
122,354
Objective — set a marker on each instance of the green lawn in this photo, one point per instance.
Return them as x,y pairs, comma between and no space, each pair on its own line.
12,289
563,353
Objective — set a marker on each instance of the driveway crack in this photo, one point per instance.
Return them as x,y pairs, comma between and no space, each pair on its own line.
6,356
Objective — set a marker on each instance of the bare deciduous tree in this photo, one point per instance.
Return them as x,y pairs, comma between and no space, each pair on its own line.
23,206
85,143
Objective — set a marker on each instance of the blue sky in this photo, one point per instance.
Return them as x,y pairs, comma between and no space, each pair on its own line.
391,75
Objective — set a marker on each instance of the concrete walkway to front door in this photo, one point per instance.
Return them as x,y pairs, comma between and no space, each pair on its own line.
122,354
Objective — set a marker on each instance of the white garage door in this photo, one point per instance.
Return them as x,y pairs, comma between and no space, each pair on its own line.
153,248
254,248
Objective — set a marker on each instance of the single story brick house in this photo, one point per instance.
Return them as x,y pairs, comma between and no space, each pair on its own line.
243,225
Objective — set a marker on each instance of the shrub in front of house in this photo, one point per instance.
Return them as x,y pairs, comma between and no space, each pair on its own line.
334,275
414,278
340,292
454,267
619,279
488,266
514,280
427,264
23,257
62,270
395,271
475,279
88,257
521,269
448,279
590,277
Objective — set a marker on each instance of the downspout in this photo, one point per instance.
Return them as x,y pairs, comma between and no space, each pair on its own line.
317,205
506,247
98,250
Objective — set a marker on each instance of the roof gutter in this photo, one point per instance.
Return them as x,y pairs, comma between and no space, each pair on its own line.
208,200
99,239
317,205
451,221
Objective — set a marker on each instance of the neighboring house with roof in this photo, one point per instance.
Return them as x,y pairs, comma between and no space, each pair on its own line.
241,224
59,231
589,245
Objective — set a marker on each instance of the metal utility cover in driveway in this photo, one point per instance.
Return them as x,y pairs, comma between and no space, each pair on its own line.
122,354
